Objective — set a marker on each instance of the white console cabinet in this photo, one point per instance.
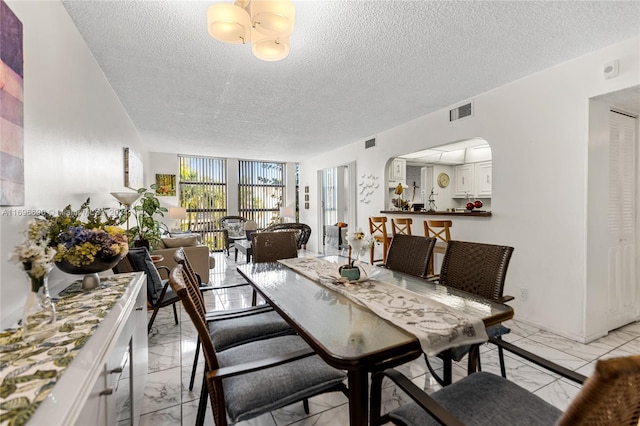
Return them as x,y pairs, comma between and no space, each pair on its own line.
104,384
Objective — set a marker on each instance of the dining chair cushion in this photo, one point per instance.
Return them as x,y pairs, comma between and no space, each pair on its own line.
228,333
483,399
492,331
142,262
246,395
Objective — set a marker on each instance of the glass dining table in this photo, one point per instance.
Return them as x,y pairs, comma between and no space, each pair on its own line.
347,335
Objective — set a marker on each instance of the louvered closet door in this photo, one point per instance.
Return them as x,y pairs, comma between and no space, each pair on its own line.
623,282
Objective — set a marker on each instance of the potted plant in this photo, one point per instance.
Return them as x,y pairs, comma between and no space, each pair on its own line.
359,243
147,231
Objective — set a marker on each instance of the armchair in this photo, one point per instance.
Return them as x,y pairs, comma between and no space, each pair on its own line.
201,257
232,229
159,293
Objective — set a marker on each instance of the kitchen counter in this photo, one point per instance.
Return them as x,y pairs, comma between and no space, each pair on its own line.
439,213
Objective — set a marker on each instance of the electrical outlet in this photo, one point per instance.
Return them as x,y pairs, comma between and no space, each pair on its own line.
524,294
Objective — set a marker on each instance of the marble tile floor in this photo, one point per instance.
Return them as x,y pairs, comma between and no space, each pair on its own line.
168,401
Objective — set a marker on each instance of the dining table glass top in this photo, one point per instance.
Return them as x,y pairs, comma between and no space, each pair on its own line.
346,330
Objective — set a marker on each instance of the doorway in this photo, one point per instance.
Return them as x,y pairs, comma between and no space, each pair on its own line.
612,297
337,189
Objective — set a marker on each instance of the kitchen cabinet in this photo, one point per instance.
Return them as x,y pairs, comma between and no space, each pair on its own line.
473,180
483,179
463,180
398,171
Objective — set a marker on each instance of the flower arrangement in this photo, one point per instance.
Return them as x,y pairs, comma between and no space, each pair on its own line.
359,243
80,246
81,243
34,254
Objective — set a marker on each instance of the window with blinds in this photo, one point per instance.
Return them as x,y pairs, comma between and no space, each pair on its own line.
330,196
261,191
203,191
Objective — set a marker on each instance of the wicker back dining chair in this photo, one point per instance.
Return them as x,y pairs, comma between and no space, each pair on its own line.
610,397
401,225
272,246
378,231
302,231
246,381
478,269
410,254
229,328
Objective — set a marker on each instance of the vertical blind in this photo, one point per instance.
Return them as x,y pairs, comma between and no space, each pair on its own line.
329,196
261,191
203,192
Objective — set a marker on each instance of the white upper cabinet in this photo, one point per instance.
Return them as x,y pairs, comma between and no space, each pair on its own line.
398,171
483,179
463,177
473,180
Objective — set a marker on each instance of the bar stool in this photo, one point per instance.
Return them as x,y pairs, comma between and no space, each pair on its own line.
378,231
438,229
401,225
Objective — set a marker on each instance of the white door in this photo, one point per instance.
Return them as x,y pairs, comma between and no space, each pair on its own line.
426,183
622,281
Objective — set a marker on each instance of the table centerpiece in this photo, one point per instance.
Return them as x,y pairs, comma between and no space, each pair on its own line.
359,243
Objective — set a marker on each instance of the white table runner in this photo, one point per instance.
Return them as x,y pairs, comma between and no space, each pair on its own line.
437,326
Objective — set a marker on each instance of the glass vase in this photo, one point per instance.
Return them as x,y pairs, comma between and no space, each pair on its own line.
39,308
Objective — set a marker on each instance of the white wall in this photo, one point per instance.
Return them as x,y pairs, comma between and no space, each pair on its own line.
74,133
538,131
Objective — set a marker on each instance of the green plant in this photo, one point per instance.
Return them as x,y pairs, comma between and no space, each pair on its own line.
147,231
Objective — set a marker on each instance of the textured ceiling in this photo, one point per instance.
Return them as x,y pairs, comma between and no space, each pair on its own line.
355,68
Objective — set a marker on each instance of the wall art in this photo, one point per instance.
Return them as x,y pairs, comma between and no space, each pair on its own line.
133,170
12,111
166,185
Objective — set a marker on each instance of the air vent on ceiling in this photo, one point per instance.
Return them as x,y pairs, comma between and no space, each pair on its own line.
461,111
370,143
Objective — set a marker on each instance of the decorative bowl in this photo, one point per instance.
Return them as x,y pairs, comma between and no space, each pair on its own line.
99,264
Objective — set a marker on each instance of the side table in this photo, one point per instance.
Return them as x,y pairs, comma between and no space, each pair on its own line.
245,247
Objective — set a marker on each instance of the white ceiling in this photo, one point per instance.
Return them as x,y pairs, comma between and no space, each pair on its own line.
355,68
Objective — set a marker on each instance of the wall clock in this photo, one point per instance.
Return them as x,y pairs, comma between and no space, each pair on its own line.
443,180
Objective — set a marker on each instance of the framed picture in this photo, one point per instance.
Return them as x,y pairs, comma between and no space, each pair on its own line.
306,189
306,206
165,185
133,172
12,111
306,197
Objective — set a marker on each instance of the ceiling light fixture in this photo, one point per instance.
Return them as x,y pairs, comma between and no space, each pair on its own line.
266,24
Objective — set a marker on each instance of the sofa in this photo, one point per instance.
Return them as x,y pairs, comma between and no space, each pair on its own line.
198,254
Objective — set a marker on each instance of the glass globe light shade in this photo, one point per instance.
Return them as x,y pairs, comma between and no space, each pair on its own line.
270,48
273,17
229,23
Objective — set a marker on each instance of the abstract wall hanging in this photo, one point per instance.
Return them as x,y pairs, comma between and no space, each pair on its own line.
11,109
